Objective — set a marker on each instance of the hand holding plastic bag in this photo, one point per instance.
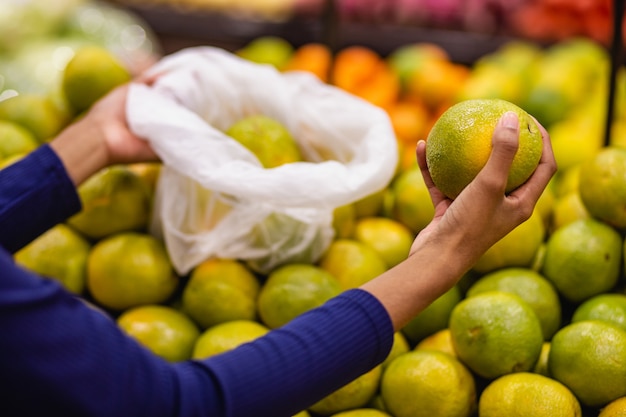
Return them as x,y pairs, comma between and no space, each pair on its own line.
214,199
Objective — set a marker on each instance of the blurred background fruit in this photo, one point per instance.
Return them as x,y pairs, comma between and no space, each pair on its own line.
226,336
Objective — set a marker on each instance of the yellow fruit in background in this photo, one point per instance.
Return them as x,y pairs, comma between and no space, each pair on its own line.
574,141
529,285
518,248
602,186
354,394
114,200
411,204
589,357
566,180
220,290
362,412
352,263
545,204
527,394
428,383
11,160
389,238
344,221
90,75
149,172
227,336
293,289
433,318
271,50
400,346
440,341
39,114
583,259
616,408
61,254
370,205
568,209
609,307
541,367
130,269
303,413
496,333
165,331
267,138
459,144
15,139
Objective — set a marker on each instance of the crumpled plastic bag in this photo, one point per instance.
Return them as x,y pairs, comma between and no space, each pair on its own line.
213,197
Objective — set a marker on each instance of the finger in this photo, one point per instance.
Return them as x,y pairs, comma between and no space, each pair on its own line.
436,196
505,143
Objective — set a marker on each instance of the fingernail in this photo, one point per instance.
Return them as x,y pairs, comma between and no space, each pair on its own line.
510,120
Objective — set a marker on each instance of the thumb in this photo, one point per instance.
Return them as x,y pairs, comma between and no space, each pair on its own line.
505,143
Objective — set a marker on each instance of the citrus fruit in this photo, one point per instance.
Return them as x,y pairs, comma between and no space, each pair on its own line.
609,307
130,269
428,383
267,138
541,367
220,290
352,263
532,287
496,333
61,254
370,205
355,394
441,341
589,357
602,186
293,289
518,248
400,345
303,413
568,208
227,336
114,200
344,221
433,318
362,412
583,259
412,205
90,75
389,238
37,113
165,331
270,50
459,144
616,408
15,139
526,394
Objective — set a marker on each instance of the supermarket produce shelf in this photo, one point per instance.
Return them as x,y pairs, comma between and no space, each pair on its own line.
179,29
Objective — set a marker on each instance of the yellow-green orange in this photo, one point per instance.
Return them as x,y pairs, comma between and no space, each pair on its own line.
220,290
616,408
459,144
165,331
441,341
354,394
293,289
267,138
602,186
227,336
61,254
91,74
400,346
353,263
130,269
114,200
411,203
496,333
525,394
609,307
428,383
589,357
518,248
583,259
532,287
433,318
389,238
39,114
15,139
362,412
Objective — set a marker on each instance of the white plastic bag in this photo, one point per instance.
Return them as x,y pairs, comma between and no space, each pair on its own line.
214,199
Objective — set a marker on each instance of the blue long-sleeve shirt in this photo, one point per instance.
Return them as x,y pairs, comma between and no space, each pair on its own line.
59,357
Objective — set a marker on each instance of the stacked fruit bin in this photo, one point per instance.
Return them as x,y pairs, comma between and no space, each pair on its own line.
566,263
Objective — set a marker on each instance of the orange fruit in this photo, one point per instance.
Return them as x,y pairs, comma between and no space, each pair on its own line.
165,331
433,318
609,307
130,269
459,144
409,120
315,58
411,204
616,408
352,263
440,340
227,336
391,239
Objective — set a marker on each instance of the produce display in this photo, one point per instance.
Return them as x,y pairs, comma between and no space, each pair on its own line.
537,326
